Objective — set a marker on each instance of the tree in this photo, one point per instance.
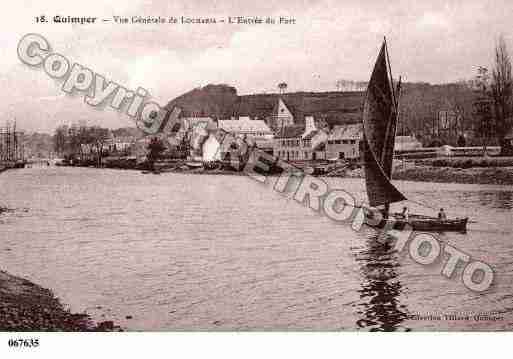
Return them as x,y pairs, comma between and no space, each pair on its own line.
482,107
282,86
155,149
502,91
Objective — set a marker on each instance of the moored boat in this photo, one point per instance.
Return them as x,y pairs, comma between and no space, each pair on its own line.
193,164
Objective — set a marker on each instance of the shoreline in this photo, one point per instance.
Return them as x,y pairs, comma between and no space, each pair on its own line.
419,173
25,306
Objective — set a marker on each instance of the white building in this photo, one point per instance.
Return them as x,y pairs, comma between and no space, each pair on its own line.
119,144
298,143
281,116
344,142
219,144
211,148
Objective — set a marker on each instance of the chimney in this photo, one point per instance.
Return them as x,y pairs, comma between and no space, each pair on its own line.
309,124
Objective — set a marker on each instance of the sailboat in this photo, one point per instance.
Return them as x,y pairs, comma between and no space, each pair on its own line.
380,115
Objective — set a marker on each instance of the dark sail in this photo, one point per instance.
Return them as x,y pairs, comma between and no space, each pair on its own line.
379,127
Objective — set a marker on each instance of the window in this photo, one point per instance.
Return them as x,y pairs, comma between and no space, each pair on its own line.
337,142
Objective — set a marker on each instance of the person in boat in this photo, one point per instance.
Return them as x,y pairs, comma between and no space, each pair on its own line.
442,215
404,213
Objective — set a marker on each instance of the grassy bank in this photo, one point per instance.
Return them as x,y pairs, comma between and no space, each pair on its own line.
474,175
467,162
25,306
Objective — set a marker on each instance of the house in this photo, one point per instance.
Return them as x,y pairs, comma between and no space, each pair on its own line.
295,143
313,145
211,147
281,116
344,142
116,145
287,143
221,145
301,143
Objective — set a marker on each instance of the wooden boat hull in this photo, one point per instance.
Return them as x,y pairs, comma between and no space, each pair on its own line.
428,224
193,165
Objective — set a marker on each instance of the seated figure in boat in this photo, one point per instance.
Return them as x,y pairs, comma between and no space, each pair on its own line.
404,214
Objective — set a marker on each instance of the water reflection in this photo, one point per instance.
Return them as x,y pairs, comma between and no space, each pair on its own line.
379,307
496,199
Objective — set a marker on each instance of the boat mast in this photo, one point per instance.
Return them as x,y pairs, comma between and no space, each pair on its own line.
394,100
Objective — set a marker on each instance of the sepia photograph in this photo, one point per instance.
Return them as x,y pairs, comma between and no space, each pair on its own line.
238,166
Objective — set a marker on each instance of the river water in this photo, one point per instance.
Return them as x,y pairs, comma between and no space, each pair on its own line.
202,252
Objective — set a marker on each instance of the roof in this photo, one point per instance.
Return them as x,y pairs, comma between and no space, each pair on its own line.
351,132
243,125
290,132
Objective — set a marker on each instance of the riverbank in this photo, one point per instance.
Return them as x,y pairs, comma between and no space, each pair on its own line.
25,306
502,175
474,175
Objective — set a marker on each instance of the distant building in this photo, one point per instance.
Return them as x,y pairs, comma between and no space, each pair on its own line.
406,143
211,148
188,123
344,142
281,116
221,145
287,143
314,146
119,144
301,143
244,127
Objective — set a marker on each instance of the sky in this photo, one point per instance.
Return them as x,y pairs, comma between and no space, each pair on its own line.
431,41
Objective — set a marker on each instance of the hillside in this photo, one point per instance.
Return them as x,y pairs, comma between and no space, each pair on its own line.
420,106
